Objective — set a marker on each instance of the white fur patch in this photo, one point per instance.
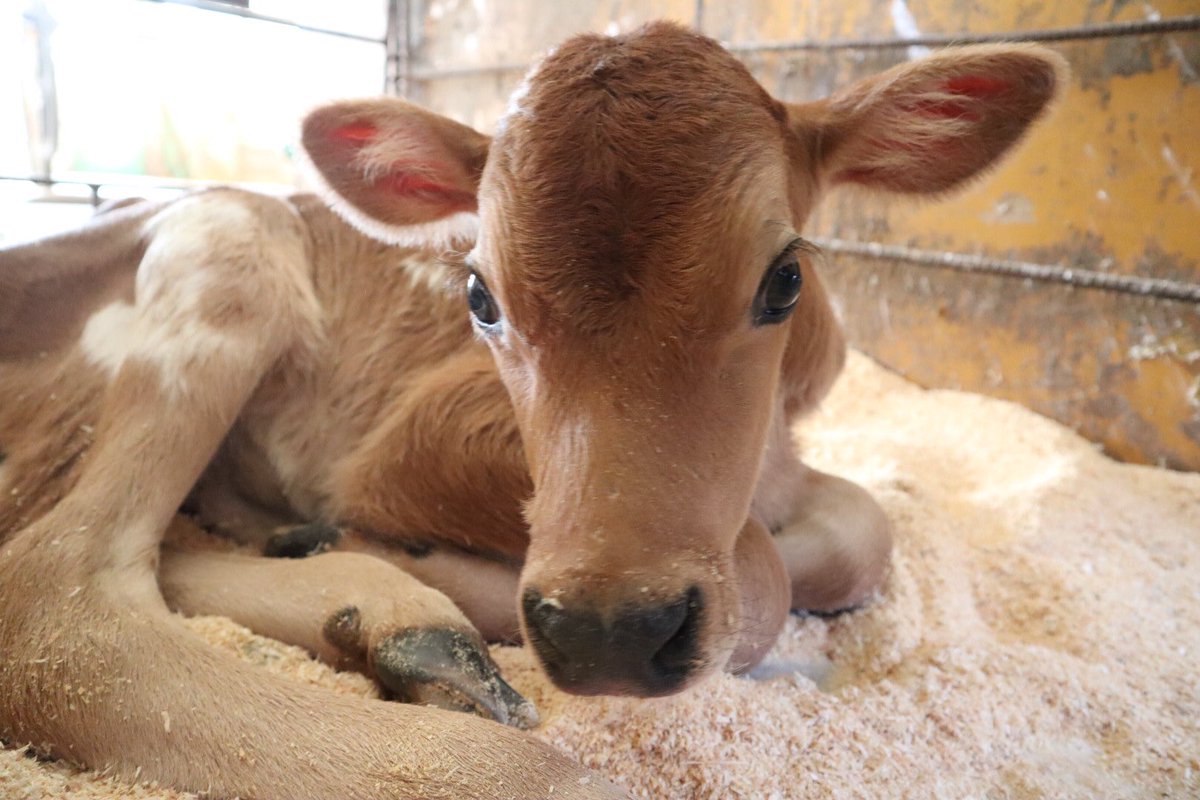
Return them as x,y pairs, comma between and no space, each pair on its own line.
110,335
180,268
118,332
515,107
516,100
198,216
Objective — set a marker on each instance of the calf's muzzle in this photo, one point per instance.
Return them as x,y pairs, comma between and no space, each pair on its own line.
647,649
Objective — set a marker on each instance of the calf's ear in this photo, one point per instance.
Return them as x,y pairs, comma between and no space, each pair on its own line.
396,171
929,126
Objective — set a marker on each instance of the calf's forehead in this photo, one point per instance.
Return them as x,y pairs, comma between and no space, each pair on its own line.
626,164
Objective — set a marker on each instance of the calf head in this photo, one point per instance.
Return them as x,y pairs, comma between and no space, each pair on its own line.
639,277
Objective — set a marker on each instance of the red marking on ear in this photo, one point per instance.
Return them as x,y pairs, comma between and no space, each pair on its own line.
361,132
410,185
969,87
976,85
948,109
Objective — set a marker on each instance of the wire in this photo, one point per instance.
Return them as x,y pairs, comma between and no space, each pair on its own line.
1080,278
238,11
1096,31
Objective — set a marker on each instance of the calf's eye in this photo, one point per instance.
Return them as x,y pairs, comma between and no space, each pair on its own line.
780,289
480,301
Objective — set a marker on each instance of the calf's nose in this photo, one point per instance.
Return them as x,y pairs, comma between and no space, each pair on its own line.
644,650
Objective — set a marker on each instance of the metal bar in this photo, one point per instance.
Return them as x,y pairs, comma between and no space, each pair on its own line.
1098,31
394,82
144,182
404,12
237,11
416,44
1053,273
438,73
46,180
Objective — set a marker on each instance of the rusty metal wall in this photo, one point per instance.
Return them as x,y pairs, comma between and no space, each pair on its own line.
1111,185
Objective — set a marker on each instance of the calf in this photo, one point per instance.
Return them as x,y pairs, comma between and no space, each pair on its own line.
598,453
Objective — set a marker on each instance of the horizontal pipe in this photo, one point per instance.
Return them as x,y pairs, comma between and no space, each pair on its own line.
238,11
1161,288
438,73
148,182
1097,31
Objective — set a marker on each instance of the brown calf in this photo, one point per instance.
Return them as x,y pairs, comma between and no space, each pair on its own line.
600,453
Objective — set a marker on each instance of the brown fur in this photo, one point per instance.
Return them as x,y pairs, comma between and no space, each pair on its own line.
46,293
626,437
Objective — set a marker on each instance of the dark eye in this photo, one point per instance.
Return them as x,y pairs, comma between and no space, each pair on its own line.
482,304
780,289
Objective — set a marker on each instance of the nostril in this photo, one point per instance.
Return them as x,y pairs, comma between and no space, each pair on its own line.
655,625
679,653
543,617
534,605
537,609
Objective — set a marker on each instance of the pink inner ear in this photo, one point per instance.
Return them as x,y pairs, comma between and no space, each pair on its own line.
411,185
968,87
358,133
947,109
976,85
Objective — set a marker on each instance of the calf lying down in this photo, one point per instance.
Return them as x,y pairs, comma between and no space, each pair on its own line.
591,452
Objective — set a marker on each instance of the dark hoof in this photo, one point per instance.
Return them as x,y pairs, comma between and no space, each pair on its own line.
302,541
450,670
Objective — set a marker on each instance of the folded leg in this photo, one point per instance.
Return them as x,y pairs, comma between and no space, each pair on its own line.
483,588
836,546
352,611
834,539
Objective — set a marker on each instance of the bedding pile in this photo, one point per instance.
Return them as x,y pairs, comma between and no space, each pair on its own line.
1038,636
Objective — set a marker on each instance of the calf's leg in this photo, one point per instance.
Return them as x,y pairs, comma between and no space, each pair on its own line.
96,672
837,544
353,611
834,539
484,589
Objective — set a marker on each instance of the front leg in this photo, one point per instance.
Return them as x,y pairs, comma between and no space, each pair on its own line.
838,545
835,540
352,611
483,588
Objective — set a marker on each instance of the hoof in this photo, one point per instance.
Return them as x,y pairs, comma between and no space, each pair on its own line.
451,670
302,541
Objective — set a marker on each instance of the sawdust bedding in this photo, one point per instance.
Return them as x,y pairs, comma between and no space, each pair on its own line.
1037,637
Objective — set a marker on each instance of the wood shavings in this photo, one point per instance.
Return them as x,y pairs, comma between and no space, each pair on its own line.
1037,637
